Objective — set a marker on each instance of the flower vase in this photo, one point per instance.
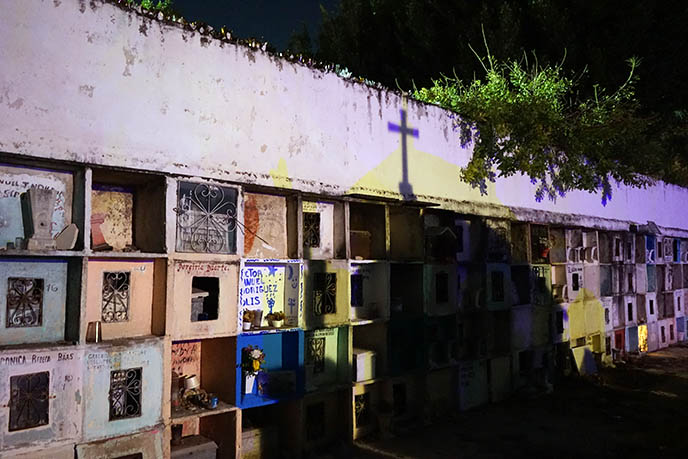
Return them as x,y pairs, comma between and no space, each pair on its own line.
257,318
277,323
249,382
247,326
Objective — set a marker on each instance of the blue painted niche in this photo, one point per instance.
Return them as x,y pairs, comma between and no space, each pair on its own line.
283,353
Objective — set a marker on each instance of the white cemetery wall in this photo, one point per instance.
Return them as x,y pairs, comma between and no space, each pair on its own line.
250,116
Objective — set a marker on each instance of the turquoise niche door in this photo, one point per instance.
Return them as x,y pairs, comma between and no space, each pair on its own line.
632,339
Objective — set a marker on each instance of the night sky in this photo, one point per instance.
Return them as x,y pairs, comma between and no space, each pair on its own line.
271,20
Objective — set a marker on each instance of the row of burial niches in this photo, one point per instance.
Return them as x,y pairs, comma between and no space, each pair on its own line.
270,229
44,210
284,408
275,295
68,394
128,214
280,294
278,300
303,427
284,370
266,369
41,295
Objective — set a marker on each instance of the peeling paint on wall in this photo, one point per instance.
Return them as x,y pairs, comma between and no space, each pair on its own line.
265,217
148,444
16,180
63,365
99,362
116,206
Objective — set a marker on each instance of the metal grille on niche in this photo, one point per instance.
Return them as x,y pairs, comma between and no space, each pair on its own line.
362,409
311,229
29,400
115,307
206,218
125,393
24,302
497,244
316,354
325,293
497,285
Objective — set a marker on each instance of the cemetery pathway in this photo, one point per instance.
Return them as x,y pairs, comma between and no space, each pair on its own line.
638,409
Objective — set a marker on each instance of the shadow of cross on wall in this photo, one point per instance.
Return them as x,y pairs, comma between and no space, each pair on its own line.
405,188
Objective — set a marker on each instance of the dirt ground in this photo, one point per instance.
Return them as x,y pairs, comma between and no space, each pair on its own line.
638,409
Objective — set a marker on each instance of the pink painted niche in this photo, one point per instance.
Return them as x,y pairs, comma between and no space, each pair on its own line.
120,294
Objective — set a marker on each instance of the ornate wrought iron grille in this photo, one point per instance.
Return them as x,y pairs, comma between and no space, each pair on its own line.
115,307
362,409
357,290
315,421
316,354
24,302
206,218
125,393
29,400
325,293
497,244
497,278
311,229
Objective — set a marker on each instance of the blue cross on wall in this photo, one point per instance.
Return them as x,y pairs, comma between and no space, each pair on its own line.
405,188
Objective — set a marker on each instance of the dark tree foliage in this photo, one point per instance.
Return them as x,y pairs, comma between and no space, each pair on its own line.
300,41
402,43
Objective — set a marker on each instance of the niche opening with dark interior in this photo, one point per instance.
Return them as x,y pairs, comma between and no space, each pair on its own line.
406,233
205,294
539,243
367,231
444,239
127,211
406,296
441,287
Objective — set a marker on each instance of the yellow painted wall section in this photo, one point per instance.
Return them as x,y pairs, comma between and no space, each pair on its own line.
586,317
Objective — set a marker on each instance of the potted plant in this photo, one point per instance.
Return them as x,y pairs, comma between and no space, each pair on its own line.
275,319
252,360
248,319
